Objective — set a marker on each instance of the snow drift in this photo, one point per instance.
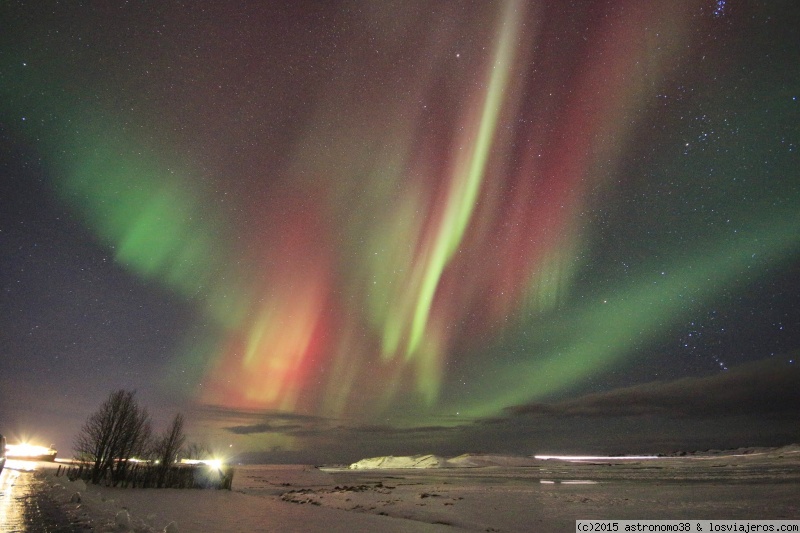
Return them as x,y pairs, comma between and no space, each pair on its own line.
468,460
389,461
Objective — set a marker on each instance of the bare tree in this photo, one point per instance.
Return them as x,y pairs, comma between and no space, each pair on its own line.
118,431
168,446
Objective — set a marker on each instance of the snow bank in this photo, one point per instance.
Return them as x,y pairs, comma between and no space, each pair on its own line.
407,461
468,460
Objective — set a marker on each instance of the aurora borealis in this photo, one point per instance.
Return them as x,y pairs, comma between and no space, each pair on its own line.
304,219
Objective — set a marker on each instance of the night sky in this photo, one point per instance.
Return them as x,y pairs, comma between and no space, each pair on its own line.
328,230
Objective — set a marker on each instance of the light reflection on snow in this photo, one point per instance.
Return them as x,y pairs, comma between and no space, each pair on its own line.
20,465
9,513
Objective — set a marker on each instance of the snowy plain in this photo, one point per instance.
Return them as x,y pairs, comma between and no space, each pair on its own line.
467,493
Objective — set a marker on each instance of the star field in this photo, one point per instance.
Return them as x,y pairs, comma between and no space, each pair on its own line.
395,215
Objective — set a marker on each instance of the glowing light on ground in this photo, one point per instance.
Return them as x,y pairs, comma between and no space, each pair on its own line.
578,458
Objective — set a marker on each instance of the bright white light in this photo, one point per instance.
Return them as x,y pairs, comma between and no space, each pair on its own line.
595,457
214,463
26,450
568,482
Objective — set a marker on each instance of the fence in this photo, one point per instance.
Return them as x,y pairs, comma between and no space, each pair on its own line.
145,475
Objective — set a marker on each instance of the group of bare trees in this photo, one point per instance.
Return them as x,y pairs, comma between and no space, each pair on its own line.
121,430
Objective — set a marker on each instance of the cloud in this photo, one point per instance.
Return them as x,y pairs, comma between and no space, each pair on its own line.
263,428
314,427
768,388
395,431
261,421
228,413
751,405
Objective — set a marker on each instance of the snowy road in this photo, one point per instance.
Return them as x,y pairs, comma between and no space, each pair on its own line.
24,508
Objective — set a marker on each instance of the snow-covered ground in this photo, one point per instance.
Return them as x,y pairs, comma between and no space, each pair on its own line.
470,492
